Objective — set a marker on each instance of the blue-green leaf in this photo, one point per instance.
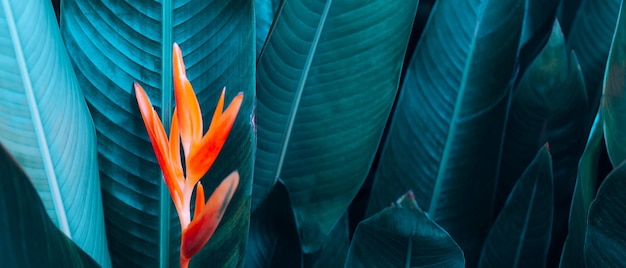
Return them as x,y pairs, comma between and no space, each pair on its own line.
584,193
521,234
115,43
264,11
29,237
326,82
45,123
445,137
605,239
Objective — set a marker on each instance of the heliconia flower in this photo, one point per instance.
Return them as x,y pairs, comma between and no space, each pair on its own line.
200,152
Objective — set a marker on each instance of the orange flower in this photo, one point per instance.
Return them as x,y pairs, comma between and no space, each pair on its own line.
200,153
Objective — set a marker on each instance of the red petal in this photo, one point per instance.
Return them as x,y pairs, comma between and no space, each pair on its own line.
204,154
189,114
203,226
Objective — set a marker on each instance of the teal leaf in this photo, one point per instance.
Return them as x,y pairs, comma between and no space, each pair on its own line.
324,96
584,193
334,250
45,123
521,234
446,134
566,14
29,237
402,237
590,38
264,11
115,43
273,239
605,239
614,99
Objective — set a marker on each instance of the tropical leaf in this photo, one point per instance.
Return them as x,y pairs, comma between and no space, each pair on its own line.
452,109
45,123
566,14
334,250
590,38
605,239
324,96
29,237
614,99
115,43
264,11
273,239
521,234
538,25
584,193
403,236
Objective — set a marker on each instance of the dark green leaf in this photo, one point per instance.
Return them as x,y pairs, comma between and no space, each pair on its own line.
29,237
584,193
445,139
568,9
45,123
590,38
264,11
521,234
538,23
334,250
273,239
605,240
614,95
402,237
326,82
114,43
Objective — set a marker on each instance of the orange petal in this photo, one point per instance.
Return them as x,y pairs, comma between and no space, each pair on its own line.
199,200
203,226
204,154
174,146
158,138
189,115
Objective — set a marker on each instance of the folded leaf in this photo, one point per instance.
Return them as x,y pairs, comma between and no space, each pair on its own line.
324,96
605,239
45,123
115,43
446,134
29,237
521,234
584,193
402,237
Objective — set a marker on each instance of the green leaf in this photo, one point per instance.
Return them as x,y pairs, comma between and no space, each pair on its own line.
273,239
264,11
590,38
445,137
584,193
402,237
521,234
566,14
29,237
45,123
613,100
538,24
114,43
324,96
334,250
605,240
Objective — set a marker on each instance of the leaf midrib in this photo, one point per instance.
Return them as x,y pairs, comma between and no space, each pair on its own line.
166,115
53,184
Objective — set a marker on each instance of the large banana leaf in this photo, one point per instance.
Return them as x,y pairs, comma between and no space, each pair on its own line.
590,38
29,237
264,11
584,192
538,24
402,236
45,123
614,91
114,43
605,239
521,234
445,138
326,82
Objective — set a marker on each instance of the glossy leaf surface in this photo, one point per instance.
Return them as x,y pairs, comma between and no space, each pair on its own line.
445,138
326,82
521,234
115,43
45,123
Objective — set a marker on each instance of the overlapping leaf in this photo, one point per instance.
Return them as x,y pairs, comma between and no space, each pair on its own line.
521,234
445,138
45,123
115,43
326,82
